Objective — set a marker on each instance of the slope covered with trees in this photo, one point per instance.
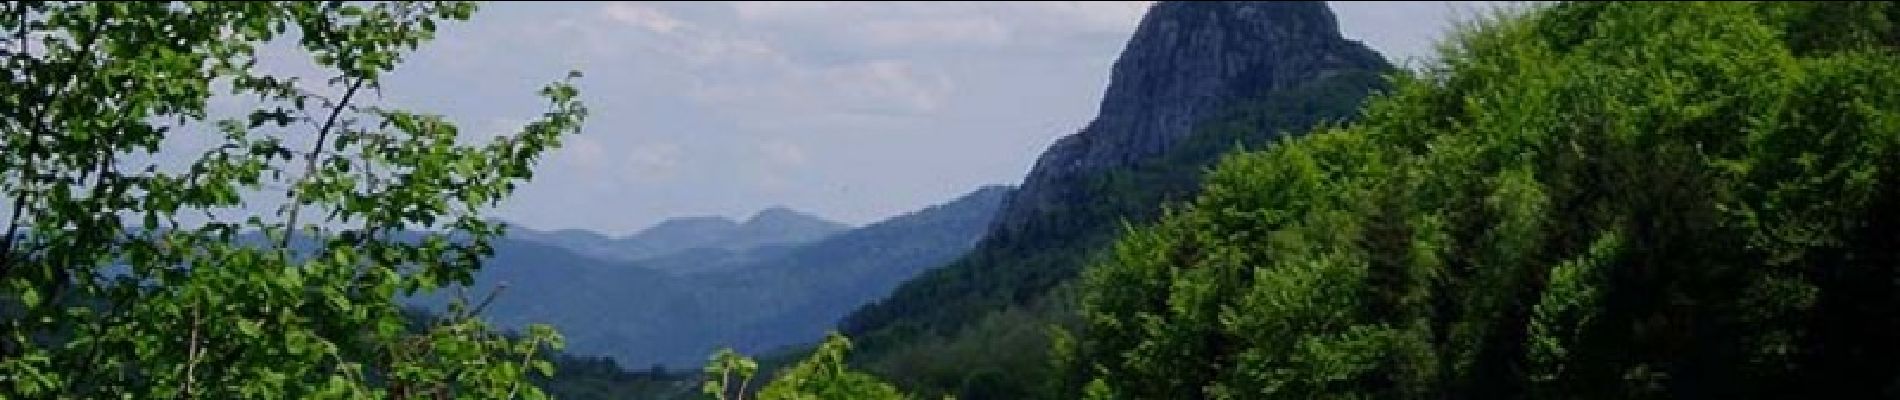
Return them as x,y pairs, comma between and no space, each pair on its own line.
1585,200
1198,79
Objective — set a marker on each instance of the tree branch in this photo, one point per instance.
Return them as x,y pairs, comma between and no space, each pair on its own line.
310,160
525,360
191,354
26,174
491,298
37,126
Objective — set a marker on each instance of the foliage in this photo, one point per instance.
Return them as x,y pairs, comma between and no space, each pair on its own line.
913,336
126,279
1584,200
582,378
822,375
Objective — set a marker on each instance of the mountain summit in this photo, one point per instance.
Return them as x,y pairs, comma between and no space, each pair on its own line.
1186,62
696,238
779,225
1196,80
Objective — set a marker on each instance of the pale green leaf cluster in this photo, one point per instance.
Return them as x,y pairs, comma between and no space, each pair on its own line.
824,375
126,280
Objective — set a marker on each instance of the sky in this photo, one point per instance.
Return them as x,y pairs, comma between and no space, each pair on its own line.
852,111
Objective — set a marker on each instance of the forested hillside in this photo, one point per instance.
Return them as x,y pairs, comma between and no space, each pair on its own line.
1588,200
1198,79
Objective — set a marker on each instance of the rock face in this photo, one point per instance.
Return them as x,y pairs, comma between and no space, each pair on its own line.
1186,62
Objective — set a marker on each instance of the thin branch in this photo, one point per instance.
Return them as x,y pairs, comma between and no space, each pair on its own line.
37,127
725,378
191,354
13,230
310,160
525,360
26,175
744,380
491,298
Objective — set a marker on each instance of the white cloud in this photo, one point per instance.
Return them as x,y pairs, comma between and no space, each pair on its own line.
1088,16
891,79
637,163
643,17
585,152
651,162
877,87
778,154
970,30
772,10
787,61
887,24
774,163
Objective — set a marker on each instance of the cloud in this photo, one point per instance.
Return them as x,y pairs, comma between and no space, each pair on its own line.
652,162
584,152
795,63
965,30
890,24
754,11
638,163
643,17
778,154
775,164
882,87
1088,16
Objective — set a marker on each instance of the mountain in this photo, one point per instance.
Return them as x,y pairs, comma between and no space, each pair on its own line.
697,244
779,225
1197,80
674,235
782,295
857,267
1185,63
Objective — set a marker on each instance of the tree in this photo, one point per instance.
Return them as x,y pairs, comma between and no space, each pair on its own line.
822,376
144,281
1581,200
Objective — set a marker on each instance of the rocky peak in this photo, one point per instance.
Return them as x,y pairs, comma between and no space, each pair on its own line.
1186,62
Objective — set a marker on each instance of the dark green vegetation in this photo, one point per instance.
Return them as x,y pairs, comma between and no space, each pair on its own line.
993,307
1590,200
822,374
585,377
780,297
595,377
979,327
126,278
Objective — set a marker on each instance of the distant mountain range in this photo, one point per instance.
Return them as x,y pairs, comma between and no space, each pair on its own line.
674,293
696,244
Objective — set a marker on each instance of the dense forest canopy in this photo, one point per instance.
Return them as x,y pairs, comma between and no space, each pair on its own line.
1595,200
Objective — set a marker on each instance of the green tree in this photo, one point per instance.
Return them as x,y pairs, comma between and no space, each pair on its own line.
130,280
1580,200
822,376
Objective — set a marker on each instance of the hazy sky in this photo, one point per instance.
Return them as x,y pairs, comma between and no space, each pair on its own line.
851,111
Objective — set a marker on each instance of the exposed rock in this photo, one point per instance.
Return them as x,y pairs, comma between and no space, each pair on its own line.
1186,62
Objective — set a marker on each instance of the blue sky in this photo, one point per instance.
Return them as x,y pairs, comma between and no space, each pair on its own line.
851,111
